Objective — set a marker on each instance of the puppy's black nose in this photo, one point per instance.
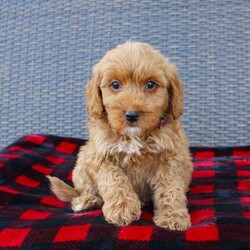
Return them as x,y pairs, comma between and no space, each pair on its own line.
132,116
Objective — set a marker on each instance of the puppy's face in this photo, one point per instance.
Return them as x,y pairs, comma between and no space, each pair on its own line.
134,85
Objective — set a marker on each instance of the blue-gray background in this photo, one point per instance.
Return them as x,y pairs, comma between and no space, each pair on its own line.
47,50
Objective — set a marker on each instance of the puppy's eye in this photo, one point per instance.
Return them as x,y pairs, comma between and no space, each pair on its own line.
116,86
150,85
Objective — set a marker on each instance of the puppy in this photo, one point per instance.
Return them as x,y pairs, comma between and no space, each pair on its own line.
137,150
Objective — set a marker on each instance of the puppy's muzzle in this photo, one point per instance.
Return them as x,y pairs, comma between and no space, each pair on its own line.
132,116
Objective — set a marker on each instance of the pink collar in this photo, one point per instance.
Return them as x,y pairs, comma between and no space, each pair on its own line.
163,122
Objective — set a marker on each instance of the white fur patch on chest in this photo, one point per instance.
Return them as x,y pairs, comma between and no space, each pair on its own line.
130,148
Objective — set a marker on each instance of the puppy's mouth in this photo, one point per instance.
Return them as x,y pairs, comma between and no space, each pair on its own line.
132,119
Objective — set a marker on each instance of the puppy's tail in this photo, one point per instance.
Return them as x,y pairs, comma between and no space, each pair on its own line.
62,191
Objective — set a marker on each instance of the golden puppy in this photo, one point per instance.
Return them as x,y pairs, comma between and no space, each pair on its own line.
137,150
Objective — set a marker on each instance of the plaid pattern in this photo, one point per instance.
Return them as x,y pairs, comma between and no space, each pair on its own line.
32,218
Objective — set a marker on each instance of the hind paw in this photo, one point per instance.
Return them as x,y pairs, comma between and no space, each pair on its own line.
83,202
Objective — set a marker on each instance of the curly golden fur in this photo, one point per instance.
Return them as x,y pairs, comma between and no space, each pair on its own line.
129,160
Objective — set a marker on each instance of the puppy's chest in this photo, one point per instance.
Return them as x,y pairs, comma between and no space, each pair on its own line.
135,152
130,149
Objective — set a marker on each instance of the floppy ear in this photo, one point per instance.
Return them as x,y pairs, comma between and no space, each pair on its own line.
93,95
176,92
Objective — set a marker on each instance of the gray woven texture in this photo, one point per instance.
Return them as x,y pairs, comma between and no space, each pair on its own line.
47,50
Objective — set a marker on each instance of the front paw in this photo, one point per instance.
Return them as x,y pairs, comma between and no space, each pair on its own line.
122,213
178,220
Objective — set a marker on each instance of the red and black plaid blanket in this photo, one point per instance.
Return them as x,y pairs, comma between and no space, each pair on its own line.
32,218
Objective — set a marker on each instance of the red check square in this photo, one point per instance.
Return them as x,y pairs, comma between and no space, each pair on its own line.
17,148
200,215
34,215
25,181
13,237
44,170
241,153
203,174
66,147
244,173
202,189
204,164
247,215
204,233
92,213
53,201
70,176
146,215
140,233
245,200
204,155
242,162
9,190
244,185
8,156
37,139
72,233
55,160
202,202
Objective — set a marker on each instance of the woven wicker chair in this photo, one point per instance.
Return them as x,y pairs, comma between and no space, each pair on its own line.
47,50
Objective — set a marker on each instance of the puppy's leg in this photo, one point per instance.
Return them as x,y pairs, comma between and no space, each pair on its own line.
170,201
121,203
